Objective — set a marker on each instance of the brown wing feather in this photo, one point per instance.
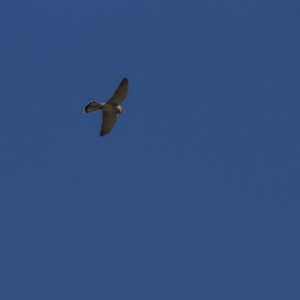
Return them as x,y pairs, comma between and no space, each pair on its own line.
108,122
120,93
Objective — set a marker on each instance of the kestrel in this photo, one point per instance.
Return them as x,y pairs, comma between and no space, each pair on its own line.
111,108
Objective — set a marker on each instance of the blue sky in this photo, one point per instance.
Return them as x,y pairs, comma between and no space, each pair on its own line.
195,192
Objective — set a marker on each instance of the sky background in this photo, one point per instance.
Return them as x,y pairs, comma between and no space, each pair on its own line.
195,192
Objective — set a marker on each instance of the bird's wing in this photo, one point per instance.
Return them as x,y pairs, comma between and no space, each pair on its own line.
120,93
93,106
108,122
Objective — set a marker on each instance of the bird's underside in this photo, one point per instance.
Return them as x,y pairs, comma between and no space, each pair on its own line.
111,108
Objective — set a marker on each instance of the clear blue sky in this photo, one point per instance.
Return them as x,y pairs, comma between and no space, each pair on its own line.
195,192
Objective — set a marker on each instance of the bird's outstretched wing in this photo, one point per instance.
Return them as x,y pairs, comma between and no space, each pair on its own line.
120,93
108,122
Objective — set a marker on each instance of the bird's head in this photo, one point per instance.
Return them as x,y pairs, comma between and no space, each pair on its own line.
120,110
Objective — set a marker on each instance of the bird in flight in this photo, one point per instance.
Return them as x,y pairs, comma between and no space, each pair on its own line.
111,108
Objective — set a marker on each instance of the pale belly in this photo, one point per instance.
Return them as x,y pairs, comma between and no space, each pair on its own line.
112,109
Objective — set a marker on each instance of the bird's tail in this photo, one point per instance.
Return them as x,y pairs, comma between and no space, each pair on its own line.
93,106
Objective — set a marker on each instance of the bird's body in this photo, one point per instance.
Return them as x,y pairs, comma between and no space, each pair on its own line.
111,108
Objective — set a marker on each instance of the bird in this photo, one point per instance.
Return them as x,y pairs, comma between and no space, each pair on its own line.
111,108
